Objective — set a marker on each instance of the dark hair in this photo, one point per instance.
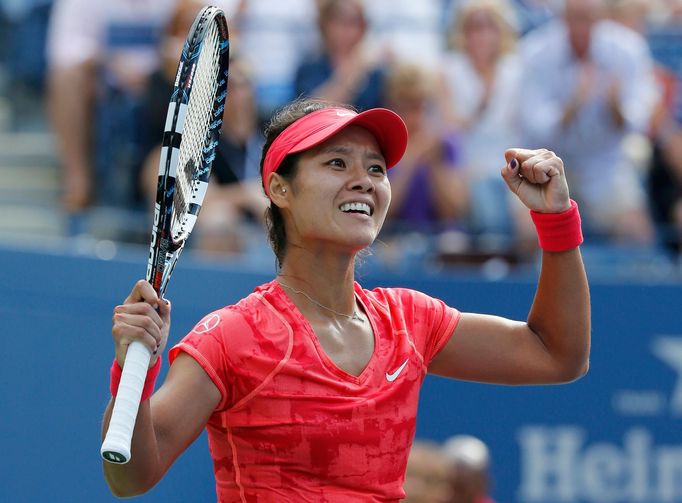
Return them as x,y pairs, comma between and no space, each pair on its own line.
282,119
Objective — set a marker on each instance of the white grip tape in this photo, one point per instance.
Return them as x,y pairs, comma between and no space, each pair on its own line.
116,445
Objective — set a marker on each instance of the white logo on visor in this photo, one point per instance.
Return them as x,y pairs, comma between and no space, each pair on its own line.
343,114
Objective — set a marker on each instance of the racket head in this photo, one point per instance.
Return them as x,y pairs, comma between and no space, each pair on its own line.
191,134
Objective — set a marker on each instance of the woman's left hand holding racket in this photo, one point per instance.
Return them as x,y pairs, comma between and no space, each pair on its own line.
140,331
142,317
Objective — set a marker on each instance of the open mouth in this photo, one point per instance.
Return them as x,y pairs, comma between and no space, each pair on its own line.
362,208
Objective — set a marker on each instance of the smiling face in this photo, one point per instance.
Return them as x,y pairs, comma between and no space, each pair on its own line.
340,194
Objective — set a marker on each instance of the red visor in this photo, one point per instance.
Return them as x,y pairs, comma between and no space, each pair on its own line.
314,128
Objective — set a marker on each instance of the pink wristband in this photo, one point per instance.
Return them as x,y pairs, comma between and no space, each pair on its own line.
149,382
558,231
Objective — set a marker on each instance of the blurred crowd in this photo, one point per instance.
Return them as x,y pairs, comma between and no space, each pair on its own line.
457,471
596,81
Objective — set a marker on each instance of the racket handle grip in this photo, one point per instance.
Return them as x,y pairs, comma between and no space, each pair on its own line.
116,445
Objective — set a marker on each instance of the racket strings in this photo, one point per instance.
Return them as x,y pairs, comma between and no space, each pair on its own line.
194,149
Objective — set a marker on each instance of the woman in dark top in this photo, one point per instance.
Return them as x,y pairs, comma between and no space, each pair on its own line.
343,72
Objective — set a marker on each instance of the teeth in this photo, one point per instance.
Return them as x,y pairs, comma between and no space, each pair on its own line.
359,207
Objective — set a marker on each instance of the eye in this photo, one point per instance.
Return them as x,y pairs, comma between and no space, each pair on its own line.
337,163
377,169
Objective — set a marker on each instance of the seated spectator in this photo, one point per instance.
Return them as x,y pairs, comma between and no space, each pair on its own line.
482,75
427,474
597,87
665,173
100,55
469,460
344,71
428,189
234,198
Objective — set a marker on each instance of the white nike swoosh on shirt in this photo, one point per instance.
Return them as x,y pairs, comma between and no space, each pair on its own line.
392,377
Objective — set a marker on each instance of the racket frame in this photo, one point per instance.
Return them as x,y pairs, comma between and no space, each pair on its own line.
165,249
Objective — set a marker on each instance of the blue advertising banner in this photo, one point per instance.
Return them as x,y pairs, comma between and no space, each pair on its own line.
613,436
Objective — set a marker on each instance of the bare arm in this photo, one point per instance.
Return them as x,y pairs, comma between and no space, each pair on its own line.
70,96
175,415
553,345
166,425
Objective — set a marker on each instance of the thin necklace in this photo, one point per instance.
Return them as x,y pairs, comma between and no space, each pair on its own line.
355,316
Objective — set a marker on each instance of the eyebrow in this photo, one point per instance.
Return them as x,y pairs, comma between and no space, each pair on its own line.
340,149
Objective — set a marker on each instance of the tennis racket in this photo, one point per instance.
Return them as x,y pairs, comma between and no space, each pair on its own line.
191,132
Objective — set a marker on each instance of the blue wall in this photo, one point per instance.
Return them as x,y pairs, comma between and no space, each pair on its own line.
613,436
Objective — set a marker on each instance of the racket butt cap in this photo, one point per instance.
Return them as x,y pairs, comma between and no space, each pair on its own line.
115,454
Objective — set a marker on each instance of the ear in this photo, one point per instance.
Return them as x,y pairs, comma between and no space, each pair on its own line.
279,190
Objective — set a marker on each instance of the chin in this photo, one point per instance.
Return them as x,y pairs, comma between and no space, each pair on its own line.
361,242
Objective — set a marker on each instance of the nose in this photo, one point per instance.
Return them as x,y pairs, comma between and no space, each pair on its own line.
360,181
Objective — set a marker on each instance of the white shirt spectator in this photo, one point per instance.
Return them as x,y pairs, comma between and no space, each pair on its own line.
591,146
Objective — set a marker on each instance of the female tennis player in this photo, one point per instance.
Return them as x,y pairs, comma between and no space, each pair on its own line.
308,386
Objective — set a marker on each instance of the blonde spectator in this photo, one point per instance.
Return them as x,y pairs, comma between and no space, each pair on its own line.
482,77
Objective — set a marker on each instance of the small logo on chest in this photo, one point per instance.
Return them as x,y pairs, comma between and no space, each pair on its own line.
394,375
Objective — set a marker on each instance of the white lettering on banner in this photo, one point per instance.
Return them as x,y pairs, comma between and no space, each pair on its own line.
547,463
655,402
669,349
642,403
557,466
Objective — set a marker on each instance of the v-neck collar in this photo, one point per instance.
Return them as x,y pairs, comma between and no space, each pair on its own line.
325,359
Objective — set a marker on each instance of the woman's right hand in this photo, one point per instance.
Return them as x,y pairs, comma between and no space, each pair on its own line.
142,317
